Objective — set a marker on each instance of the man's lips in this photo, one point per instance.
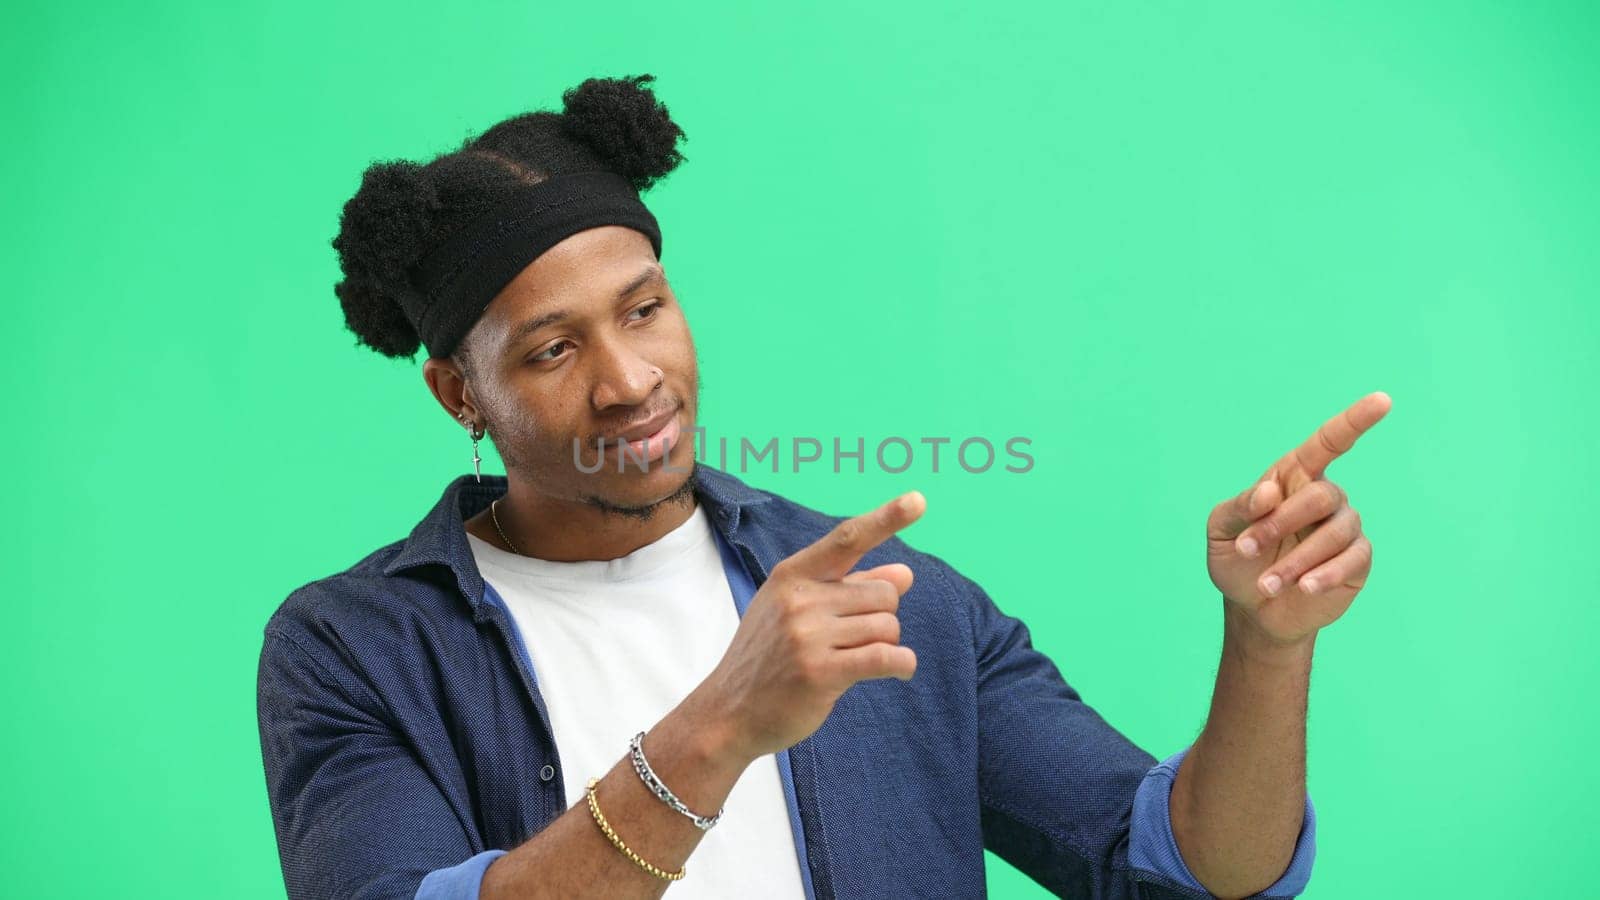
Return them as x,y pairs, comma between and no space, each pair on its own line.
649,440
644,429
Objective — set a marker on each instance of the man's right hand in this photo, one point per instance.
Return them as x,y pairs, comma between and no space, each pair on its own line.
811,631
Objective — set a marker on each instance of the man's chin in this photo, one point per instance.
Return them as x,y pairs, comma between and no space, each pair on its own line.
640,492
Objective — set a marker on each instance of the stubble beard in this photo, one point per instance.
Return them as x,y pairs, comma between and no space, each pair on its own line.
682,495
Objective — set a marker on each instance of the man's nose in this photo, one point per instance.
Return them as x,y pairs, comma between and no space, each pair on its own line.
624,377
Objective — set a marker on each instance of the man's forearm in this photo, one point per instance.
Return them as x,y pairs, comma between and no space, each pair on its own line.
571,857
1239,796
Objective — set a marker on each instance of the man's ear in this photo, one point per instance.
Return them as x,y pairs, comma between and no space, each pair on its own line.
449,386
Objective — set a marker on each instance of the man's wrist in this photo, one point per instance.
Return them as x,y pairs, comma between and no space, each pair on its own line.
1243,639
711,735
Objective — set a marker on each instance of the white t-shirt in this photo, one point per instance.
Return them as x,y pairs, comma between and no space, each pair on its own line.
615,645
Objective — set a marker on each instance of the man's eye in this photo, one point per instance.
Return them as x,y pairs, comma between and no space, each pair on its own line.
548,353
649,309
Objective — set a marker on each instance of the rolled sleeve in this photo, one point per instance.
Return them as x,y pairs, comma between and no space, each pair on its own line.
1153,848
461,881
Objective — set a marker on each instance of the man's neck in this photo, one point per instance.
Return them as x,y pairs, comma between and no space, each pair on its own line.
559,530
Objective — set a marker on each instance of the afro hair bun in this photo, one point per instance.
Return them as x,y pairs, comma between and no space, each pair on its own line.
383,230
402,209
621,120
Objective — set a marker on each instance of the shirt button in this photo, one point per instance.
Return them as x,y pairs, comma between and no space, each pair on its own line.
547,773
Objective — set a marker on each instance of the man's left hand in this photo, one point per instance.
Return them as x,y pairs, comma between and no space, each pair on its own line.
1288,553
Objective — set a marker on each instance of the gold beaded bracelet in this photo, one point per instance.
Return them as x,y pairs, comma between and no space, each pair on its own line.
594,807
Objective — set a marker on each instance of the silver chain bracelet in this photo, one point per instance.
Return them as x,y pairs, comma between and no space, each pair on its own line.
636,750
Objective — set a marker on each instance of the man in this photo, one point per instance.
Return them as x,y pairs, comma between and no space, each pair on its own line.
565,679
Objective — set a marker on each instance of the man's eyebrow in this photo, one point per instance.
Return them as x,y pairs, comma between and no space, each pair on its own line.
534,324
649,273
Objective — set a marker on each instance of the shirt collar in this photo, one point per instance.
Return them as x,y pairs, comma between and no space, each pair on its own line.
440,539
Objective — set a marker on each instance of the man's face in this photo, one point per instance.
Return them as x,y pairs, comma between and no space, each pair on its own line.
588,346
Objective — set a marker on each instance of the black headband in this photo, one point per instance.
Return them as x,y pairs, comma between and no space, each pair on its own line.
456,280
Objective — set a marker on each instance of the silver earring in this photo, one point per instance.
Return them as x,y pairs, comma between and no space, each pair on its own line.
475,433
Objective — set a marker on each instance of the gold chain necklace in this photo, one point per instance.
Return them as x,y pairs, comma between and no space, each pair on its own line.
496,517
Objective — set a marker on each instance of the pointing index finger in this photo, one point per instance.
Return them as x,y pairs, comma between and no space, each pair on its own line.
833,555
1339,434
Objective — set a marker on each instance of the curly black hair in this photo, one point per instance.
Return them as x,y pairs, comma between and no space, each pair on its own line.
403,208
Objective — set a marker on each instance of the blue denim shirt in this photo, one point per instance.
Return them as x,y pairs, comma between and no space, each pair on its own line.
406,744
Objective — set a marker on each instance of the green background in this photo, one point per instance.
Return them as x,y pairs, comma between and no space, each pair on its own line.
1165,243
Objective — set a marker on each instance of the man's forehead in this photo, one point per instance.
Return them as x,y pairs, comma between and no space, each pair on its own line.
572,284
